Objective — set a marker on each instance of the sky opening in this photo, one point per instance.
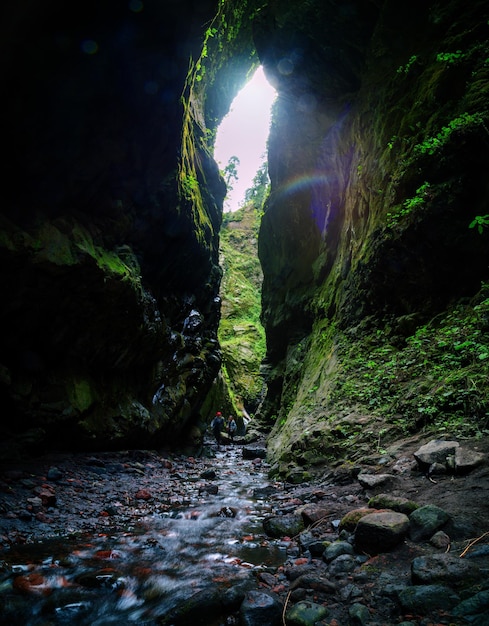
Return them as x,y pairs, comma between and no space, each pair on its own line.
243,133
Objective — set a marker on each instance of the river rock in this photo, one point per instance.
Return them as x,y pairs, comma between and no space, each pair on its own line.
283,525
435,451
350,520
313,513
425,521
335,549
254,453
440,540
394,503
380,532
259,608
426,598
477,607
54,474
442,568
343,564
359,614
374,481
306,614
467,460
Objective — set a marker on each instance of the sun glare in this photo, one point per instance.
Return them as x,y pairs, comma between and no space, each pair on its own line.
243,133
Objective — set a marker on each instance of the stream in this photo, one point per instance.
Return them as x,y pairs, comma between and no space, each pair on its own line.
206,539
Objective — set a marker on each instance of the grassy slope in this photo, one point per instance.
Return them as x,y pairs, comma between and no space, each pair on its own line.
241,334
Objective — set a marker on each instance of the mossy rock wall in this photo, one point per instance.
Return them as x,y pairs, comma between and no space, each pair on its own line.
377,156
109,249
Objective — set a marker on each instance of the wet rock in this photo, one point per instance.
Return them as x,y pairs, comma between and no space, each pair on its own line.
283,525
210,489
35,504
380,532
254,453
475,608
337,549
208,474
426,598
47,496
375,481
101,578
435,451
306,614
394,503
311,578
425,521
440,540
34,583
54,474
143,494
443,568
227,511
359,614
314,513
259,608
351,519
343,564
265,492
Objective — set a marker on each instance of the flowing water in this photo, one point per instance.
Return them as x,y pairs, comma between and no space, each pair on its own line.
141,575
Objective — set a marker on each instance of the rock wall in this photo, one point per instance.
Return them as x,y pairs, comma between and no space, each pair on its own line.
377,156
108,238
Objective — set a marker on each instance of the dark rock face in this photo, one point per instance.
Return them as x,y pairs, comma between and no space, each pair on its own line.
110,275
376,161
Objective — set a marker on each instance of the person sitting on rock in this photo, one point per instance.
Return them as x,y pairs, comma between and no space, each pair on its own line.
217,425
232,428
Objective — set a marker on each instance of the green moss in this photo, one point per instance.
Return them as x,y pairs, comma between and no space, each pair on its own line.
81,395
241,334
106,260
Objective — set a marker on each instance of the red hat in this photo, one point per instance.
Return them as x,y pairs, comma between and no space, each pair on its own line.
218,413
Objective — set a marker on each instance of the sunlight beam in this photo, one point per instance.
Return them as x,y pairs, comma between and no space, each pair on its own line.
243,133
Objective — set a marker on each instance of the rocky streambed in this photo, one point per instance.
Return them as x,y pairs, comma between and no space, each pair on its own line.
142,537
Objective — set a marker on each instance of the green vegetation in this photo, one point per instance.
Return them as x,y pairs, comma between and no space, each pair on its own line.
404,69
241,334
409,205
438,379
463,122
481,222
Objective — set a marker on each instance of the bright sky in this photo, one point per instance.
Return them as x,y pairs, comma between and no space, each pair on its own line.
244,133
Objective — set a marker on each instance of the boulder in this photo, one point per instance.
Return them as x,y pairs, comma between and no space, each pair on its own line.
467,460
351,519
283,525
379,532
260,607
427,598
306,614
394,503
435,451
425,521
443,568
374,481
337,549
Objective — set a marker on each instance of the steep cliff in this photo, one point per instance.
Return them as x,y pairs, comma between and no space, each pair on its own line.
371,271
109,230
